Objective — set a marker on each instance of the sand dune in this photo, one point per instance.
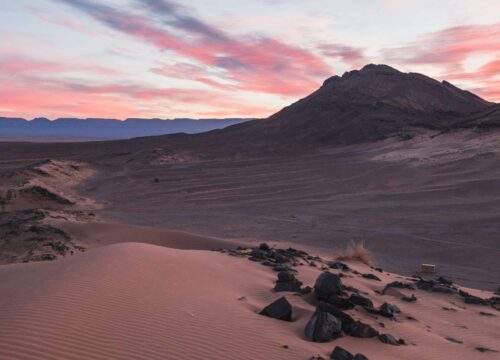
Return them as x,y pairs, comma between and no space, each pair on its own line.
139,301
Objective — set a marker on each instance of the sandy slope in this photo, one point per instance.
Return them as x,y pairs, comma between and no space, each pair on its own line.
140,301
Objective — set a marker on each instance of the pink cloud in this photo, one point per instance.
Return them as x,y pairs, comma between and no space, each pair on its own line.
17,64
249,62
350,55
449,47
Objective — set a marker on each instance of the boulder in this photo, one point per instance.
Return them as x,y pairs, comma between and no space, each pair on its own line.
327,284
323,327
281,309
345,318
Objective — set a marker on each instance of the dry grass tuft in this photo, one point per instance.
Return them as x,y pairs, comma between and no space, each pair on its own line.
356,251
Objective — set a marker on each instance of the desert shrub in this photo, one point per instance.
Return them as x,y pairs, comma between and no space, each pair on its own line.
358,252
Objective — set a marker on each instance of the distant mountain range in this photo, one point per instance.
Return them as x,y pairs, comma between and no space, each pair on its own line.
104,129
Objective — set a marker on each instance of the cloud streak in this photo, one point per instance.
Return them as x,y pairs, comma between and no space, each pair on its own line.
258,64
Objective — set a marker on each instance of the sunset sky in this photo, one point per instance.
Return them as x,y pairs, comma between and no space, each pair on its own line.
219,58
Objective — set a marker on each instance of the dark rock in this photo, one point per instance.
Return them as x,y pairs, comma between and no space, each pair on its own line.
345,318
285,276
444,281
351,289
340,302
389,310
257,254
361,330
425,284
372,310
287,282
371,277
313,264
338,265
360,357
267,263
484,349
264,247
411,298
341,354
388,339
398,285
279,268
486,313
442,289
323,327
306,290
327,284
475,300
281,309
360,300
450,339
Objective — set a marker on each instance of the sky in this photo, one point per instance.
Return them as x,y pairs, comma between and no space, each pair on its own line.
220,58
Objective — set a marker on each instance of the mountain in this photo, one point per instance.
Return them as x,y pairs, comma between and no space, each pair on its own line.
365,105
101,129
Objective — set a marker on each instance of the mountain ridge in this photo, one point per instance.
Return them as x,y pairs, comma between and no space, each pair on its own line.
106,129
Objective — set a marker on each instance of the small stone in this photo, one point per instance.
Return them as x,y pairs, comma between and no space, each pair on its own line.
475,300
360,357
360,300
444,280
484,349
338,265
388,339
361,330
411,298
486,313
281,309
341,354
287,282
306,290
450,339
340,302
442,289
264,247
389,310
371,277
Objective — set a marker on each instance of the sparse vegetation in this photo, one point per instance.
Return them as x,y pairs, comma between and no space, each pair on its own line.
356,251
